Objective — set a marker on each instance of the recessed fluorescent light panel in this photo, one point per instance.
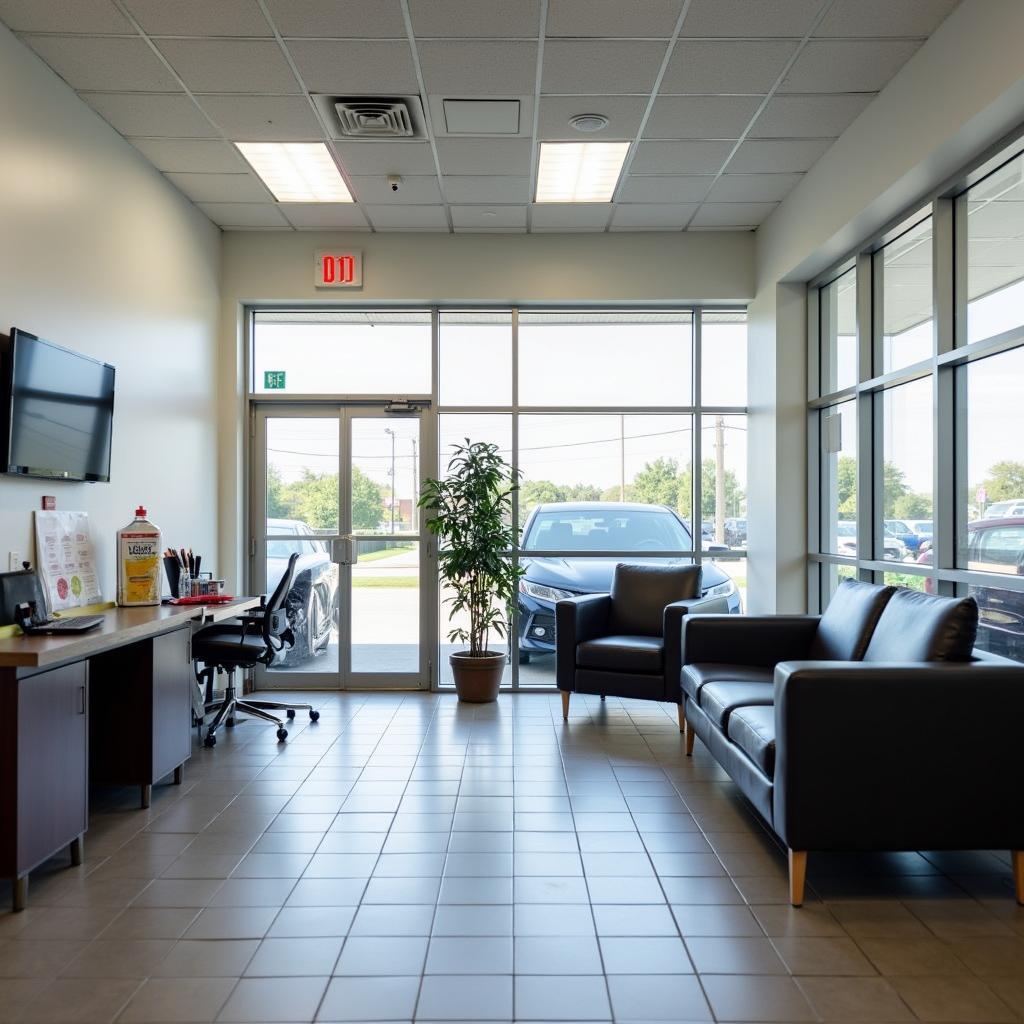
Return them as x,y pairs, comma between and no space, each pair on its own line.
297,172
579,172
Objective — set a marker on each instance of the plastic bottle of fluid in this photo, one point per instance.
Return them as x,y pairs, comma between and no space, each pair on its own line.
139,550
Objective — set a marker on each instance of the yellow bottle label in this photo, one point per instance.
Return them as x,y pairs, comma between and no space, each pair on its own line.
140,569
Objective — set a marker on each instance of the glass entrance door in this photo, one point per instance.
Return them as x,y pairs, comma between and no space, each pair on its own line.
339,485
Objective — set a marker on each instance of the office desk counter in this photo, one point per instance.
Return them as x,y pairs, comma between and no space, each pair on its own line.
111,707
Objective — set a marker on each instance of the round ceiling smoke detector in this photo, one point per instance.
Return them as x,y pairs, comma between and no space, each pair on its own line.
588,122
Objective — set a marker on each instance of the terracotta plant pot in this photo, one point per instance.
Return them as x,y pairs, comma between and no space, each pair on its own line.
477,679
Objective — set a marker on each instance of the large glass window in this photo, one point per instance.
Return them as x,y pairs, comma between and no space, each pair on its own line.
838,429
475,358
838,326
723,363
994,209
906,467
723,482
905,299
342,353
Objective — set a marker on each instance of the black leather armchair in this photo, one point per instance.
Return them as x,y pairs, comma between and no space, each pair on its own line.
629,643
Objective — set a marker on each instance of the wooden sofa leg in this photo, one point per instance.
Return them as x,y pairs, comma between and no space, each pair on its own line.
1018,874
565,705
682,719
797,876
690,735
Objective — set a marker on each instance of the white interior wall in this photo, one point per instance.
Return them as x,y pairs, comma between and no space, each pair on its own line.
100,254
607,269
959,94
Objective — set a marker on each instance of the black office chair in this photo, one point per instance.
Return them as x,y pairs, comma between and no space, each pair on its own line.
257,637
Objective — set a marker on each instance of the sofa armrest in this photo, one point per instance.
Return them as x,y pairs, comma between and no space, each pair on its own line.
760,640
577,619
672,631
898,756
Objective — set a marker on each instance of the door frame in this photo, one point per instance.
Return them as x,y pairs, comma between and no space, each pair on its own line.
344,410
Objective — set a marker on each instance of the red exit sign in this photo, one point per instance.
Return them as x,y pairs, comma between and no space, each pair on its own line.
338,269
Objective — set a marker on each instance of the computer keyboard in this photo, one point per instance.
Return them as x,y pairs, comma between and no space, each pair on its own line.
72,624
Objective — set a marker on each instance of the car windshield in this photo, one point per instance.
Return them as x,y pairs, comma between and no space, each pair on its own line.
611,530
285,548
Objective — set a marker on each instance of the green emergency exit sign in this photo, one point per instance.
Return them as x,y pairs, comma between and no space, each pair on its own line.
273,380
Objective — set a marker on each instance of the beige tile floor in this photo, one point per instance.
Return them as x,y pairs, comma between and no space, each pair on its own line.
408,858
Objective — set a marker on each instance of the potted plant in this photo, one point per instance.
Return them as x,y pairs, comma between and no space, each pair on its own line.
471,514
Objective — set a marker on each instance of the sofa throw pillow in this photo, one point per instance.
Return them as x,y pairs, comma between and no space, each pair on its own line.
849,621
920,627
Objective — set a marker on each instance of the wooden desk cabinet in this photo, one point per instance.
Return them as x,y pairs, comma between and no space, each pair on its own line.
44,785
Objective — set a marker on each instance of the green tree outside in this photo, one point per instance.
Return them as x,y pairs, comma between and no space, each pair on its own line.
314,499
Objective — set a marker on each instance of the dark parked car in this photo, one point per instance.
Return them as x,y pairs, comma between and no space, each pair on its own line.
903,530
995,546
595,527
736,533
312,602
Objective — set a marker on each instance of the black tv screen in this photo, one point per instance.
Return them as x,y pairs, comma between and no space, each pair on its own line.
61,411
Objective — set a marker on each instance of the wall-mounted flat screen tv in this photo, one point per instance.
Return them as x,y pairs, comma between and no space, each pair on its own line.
58,411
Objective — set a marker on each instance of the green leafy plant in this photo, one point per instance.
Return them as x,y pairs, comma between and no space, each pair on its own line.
471,513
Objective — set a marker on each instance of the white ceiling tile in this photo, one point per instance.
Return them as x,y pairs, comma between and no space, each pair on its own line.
408,218
484,156
244,215
667,189
570,216
439,106
68,16
482,18
152,114
725,215
118,63
230,65
752,188
478,67
809,117
219,188
359,67
489,218
482,117
774,155
386,157
596,66
726,65
325,216
263,118
884,18
848,65
199,17
751,19
418,189
491,188
194,155
651,216
700,117
691,157
342,19
613,18
623,113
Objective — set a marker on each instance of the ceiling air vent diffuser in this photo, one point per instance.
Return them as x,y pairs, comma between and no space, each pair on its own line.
373,117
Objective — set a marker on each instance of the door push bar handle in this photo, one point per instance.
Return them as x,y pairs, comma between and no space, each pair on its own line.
343,550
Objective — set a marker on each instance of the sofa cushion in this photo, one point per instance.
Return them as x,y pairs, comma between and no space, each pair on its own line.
694,677
752,729
623,654
719,700
640,594
921,627
846,628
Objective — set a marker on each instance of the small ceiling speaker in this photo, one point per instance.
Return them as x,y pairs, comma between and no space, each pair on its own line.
588,122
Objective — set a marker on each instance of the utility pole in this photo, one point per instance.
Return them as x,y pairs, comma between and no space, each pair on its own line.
719,479
388,430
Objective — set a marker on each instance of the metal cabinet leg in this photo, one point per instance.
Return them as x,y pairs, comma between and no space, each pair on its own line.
179,774
20,898
147,795
76,850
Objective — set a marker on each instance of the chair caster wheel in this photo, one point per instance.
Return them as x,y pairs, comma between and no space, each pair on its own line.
314,716
291,712
282,734
210,741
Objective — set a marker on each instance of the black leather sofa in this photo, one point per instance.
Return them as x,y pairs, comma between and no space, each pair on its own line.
876,726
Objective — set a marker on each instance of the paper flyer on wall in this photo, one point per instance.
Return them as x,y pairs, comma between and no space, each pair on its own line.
65,560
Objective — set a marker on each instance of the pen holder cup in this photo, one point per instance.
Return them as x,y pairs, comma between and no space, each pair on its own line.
173,570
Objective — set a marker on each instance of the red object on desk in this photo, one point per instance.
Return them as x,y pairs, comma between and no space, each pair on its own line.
209,599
